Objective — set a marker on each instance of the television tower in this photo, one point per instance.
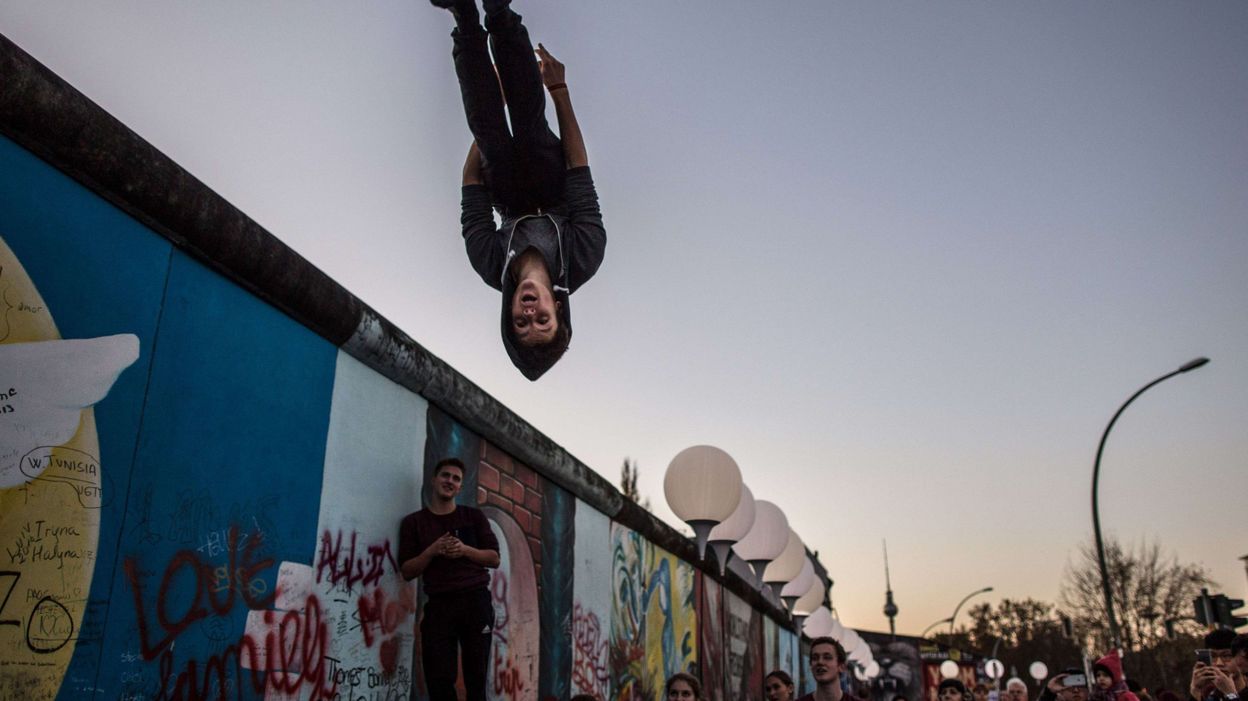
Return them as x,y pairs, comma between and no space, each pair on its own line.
890,608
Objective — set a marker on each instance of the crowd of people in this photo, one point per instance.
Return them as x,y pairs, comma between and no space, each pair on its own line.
1220,673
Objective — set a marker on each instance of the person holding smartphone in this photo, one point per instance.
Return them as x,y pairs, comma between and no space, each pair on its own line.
1070,684
1215,674
450,547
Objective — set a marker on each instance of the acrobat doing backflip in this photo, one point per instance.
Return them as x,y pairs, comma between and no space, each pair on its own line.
551,240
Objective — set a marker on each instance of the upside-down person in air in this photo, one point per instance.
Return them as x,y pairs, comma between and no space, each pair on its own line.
551,240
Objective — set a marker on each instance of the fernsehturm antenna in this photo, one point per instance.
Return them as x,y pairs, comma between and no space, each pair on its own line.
890,608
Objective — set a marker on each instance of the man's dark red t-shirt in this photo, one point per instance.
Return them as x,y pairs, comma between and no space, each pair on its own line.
417,532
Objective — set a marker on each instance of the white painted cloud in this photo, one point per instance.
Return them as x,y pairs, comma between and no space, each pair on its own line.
44,387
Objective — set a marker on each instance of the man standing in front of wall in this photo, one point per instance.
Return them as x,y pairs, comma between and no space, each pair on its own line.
450,546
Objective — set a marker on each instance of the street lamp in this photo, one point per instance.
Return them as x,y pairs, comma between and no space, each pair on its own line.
943,620
703,487
957,608
1115,639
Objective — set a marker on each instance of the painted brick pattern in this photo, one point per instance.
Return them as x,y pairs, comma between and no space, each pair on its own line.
514,487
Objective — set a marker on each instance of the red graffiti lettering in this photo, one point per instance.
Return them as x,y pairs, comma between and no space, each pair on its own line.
590,670
299,641
342,567
507,679
385,616
173,624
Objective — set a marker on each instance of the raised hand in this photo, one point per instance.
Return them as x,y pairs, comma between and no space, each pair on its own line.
552,69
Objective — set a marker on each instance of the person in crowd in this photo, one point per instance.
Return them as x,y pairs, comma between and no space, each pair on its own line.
1110,684
1015,690
952,690
552,239
1239,661
1070,684
683,687
828,662
980,692
1138,689
778,686
450,547
1217,679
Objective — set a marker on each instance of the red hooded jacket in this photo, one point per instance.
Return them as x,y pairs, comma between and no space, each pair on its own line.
1112,663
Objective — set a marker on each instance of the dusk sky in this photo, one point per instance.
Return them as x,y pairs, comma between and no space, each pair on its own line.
902,260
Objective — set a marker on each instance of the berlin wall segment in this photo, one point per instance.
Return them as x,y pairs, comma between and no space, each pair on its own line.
215,577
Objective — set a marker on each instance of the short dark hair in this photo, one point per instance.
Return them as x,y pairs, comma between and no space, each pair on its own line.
780,674
829,640
1220,639
1239,644
952,684
452,462
543,355
583,697
689,679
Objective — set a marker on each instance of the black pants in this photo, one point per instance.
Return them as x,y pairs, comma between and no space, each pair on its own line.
523,168
454,623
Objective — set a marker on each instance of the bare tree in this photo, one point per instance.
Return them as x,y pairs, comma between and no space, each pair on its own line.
628,483
1019,632
1148,586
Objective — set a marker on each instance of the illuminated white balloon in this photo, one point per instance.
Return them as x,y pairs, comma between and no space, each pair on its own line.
819,623
766,539
732,529
703,487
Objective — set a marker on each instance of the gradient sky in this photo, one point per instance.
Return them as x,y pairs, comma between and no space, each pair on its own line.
902,260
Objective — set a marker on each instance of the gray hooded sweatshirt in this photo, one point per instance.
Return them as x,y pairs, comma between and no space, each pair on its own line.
570,238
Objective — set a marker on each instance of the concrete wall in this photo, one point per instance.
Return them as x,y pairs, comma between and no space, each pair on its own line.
206,447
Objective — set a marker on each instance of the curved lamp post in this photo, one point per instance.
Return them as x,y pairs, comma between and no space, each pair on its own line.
766,538
1115,640
943,620
732,529
787,565
703,487
954,617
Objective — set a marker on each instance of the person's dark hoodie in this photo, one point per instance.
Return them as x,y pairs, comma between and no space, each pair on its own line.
1112,664
570,238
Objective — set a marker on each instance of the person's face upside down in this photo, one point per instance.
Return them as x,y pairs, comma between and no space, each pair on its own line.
533,308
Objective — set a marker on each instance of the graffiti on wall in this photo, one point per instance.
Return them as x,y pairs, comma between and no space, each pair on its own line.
711,622
744,647
514,653
591,609
653,620
780,649
52,484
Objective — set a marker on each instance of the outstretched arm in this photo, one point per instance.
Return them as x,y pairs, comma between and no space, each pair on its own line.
569,130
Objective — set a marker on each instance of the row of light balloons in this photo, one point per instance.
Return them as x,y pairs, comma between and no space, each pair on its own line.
703,487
